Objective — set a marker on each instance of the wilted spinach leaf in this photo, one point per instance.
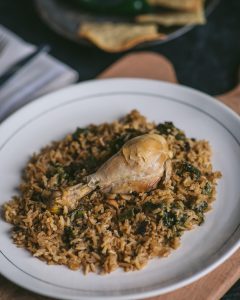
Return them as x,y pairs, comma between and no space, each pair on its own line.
77,132
187,167
207,189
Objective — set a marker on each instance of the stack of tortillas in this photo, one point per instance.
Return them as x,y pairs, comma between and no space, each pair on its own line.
119,36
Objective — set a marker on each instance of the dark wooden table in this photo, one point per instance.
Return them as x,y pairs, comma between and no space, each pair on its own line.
213,49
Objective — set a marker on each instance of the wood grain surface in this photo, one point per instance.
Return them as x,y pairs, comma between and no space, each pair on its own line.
215,284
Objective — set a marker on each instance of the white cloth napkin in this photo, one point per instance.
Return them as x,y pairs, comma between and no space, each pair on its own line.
41,75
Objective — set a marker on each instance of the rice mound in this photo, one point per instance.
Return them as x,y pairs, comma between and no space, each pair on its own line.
108,231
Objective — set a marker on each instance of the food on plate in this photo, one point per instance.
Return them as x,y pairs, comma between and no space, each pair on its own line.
175,18
136,167
155,16
115,37
114,221
178,4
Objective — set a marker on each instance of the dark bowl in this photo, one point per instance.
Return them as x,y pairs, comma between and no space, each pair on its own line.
65,17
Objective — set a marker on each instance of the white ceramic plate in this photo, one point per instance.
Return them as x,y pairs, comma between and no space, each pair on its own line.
55,115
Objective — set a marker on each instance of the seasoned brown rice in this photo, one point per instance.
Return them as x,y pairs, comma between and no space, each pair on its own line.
108,231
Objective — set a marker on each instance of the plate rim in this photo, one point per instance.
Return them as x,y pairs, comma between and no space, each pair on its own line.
182,87
65,92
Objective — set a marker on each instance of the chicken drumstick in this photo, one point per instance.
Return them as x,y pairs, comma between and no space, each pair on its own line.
138,166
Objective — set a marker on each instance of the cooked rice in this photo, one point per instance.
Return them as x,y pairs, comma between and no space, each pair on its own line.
108,231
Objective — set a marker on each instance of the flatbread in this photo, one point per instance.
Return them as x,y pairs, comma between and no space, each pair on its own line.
172,19
177,4
175,18
116,37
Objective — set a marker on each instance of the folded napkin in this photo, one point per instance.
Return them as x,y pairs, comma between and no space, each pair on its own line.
41,75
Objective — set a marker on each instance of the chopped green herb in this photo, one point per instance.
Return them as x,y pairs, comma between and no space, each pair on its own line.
186,147
180,137
72,170
36,196
78,213
57,169
91,163
68,231
142,228
149,206
176,204
179,233
118,197
169,219
165,128
127,214
181,220
77,132
68,235
135,194
207,189
201,207
117,143
187,167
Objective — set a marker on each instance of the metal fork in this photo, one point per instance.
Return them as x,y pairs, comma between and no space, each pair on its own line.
3,43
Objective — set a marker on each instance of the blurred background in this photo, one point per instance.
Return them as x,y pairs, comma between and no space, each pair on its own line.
206,57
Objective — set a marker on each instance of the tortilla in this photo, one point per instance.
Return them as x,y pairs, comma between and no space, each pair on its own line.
175,18
177,4
115,37
172,19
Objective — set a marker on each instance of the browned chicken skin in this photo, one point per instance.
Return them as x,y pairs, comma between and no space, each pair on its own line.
137,167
